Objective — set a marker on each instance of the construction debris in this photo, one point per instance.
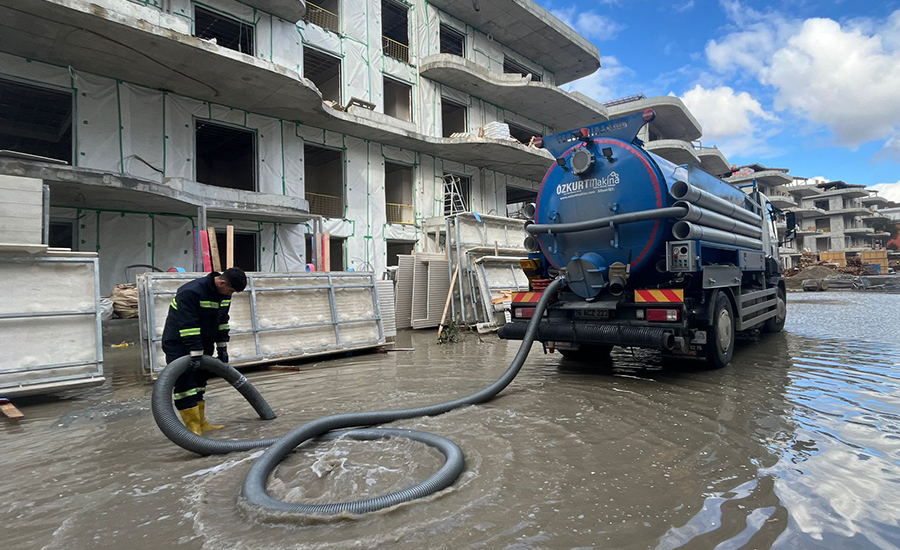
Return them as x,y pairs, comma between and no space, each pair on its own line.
125,301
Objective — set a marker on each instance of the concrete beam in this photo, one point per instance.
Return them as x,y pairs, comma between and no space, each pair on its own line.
123,45
289,10
86,188
673,120
530,30
540,101
674,150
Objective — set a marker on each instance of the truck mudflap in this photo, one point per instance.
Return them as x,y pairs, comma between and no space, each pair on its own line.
581,333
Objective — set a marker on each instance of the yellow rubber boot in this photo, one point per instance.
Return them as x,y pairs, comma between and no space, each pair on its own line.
191,419
204,425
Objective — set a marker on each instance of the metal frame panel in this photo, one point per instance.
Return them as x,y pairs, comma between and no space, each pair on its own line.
330,281
95,376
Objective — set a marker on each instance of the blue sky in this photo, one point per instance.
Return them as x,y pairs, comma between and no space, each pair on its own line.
809,85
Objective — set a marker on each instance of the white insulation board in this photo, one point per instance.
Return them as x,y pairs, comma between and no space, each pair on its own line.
59,350
297,315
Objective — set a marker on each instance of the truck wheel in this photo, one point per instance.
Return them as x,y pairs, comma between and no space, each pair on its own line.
721,333
776,324
587,353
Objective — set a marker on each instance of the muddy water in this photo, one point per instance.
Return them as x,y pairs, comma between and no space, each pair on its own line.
796,445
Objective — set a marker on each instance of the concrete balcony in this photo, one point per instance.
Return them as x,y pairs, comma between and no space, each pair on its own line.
144,46
526,28
712,160
808,212
788,251
850,193
858,230
855,210
98,189
881,234
873,215
802,232
675,151
538,101
289,10
873,200
803,191
673,120
765,179
782,201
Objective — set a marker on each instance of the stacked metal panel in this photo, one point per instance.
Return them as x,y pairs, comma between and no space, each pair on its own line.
431,284
404,290
50,329
388,307
279,316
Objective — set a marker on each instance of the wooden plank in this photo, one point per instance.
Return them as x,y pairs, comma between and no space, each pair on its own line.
326,252
204,251
229,246
449,297
9,410
214,249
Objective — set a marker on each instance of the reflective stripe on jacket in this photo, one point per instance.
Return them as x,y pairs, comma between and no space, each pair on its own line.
198,317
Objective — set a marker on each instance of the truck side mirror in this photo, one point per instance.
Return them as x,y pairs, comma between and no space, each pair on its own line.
791,226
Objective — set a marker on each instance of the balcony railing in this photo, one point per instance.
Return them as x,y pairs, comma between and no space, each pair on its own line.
400,213
329,206
318,15
397,50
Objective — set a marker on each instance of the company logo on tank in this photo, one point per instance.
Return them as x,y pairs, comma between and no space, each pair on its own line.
590,186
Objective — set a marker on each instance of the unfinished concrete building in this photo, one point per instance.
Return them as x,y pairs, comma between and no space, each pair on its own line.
151,118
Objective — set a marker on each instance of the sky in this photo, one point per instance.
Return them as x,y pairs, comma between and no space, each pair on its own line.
809,85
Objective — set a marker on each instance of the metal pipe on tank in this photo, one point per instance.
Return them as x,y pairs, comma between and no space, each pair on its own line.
684,191
687,231
703,216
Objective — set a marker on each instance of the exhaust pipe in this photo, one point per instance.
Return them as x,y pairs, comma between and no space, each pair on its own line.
683,191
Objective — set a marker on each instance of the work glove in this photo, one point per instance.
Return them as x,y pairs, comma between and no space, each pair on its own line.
222,354
195,361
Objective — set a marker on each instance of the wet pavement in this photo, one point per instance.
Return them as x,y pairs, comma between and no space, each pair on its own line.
795,445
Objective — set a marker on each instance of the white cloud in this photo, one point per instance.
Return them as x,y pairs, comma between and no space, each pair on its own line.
606,83
589,23
684,6
844,77
890,191
724,113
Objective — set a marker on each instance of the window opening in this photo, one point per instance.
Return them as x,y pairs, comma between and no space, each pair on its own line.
453,117
226,156
395,30
452,41
245,247
397,99
325,72
457,190
398,248
398,193
36,120
323,171
62,234
521,133
512,67
227,32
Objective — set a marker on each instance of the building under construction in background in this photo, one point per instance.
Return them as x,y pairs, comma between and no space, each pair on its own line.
291,120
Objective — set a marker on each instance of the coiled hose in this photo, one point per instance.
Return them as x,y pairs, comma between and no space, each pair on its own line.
254,489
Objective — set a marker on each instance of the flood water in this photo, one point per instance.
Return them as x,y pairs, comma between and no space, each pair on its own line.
795,445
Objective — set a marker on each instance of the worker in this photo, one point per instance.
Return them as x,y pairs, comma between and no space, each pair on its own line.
197,319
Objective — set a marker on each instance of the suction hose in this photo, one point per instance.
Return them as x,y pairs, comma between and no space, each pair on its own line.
254,489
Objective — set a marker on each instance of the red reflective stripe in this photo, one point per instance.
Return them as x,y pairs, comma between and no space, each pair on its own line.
672,295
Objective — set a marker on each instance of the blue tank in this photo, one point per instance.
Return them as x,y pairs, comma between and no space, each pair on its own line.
603,170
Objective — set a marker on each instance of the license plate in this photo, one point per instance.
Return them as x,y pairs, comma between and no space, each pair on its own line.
592,314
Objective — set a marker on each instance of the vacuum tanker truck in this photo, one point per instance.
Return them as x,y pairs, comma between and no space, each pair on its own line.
653,254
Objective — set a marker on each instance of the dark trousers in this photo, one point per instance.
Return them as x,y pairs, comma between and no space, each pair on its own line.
191,385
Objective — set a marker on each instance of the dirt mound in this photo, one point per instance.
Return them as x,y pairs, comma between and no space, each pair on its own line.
812,272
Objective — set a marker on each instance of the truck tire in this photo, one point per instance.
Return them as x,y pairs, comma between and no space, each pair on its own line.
587,353
776,324
721,333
